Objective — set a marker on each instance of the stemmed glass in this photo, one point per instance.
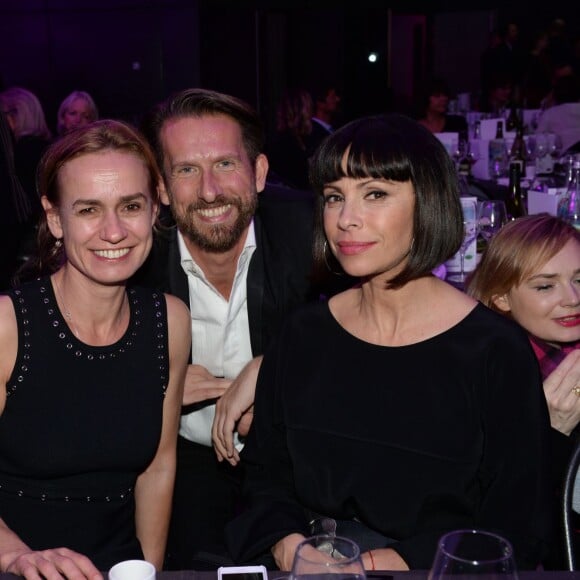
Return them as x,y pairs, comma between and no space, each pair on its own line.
471,227
460,150
555,146
319,556
468,554
492,216
530,142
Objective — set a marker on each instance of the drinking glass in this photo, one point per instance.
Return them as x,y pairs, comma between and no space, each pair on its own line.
471,227
472,554
530,142
326,556
555,146
460,150
542,145
492,216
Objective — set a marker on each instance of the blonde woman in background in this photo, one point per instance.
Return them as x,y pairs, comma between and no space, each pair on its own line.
530,273
77,110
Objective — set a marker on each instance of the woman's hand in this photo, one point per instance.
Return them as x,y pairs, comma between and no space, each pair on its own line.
234,410
49,564
383,559
284,550
563,403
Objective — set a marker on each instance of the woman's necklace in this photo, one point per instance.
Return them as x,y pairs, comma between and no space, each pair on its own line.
65,311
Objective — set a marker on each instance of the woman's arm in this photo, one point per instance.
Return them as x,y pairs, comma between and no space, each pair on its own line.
234,412
15,555
272,510
154,488
8,345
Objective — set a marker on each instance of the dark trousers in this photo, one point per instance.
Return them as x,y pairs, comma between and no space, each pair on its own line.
206,497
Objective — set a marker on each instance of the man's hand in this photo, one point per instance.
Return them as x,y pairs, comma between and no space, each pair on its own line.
234,410
201,385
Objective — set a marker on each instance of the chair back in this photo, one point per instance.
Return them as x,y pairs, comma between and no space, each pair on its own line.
568,493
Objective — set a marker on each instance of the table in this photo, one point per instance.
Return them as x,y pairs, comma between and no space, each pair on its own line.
412,575
375,575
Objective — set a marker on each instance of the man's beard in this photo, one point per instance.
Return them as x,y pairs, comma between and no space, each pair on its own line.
216,238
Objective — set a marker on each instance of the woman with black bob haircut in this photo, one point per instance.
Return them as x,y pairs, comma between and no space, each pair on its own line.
401,408
389,147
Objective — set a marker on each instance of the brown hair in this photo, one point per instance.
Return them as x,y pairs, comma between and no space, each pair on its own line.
104,135
515,252
199,103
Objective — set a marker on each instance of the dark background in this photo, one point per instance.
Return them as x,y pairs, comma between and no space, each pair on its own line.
128,54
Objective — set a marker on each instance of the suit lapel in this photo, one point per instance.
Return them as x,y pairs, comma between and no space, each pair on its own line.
255,290
178,285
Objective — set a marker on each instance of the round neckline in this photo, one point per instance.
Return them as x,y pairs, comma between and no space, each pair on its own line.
62,325
426,341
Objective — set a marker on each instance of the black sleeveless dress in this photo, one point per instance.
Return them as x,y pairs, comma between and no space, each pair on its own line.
80,424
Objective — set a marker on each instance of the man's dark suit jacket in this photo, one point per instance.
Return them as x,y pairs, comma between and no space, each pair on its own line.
317,135
279,275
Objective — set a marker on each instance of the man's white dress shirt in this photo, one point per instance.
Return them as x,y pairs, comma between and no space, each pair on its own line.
220,332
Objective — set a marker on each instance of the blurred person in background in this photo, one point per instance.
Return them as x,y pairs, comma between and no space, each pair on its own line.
32,136
287,151
432,105
562,117
15,207
538,73
76,110
327,109
499,96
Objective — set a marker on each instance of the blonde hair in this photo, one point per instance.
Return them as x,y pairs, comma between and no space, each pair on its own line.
67,103
515,253
26,113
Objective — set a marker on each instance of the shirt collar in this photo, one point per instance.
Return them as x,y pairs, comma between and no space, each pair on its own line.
188,263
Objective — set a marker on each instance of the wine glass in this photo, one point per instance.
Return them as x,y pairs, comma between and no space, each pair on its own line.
319,556
468,554
460,150
530,142
471,227
492,216
555,146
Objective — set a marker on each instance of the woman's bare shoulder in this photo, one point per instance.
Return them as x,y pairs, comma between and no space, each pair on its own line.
8,344
7,315
176,308
178,317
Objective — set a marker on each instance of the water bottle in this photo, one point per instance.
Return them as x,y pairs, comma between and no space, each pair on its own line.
568,208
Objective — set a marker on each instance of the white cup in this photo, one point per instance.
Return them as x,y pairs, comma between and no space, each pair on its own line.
132,570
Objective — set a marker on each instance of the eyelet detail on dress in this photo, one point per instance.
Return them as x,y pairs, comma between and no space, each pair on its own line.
48,496
77,348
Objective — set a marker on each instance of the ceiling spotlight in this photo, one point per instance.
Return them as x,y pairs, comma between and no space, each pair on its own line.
373,57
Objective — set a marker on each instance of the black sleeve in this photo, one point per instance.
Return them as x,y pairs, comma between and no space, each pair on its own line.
271,509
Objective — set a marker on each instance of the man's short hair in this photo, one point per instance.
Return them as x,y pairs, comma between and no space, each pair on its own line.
199,103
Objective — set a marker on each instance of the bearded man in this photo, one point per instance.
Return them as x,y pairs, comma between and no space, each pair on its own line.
240,261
